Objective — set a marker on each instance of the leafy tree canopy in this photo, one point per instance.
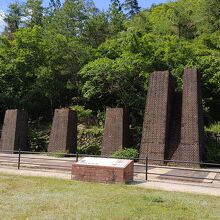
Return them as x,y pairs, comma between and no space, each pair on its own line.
71,53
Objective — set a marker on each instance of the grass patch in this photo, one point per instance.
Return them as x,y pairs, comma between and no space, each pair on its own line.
48,198
58,154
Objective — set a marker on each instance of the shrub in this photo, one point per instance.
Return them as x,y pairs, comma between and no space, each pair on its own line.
82,113
90,150
214,128
38,140
212,149
126,153
101,118
90,140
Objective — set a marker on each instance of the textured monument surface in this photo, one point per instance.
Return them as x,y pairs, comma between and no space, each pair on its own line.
191,142
116,130
156,118
103,170
174,131
173,122
63,136
14,131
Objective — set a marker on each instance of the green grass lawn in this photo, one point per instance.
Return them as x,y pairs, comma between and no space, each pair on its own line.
47,198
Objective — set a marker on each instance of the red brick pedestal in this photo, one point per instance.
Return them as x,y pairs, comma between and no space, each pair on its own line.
104,170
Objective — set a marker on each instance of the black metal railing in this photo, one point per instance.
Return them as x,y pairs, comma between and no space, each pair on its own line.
27,159
195,165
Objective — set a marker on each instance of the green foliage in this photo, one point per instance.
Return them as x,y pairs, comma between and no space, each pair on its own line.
73,54
117,17
212,150
132,7
58,154
214,128
96,30
177,18
116,82
60,198
126,153
34,12
90,140
54,5
83,114
39,139
139,23
210,11
13,18
101,118
119,76
90,150
212,146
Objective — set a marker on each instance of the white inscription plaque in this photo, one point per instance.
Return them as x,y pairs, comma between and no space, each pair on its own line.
107,162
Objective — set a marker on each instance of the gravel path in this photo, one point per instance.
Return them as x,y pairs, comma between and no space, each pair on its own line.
197,188
33,172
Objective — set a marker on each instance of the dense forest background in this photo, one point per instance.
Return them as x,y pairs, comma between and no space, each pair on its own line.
74,55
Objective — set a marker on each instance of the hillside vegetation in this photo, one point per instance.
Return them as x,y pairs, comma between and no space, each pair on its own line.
74,55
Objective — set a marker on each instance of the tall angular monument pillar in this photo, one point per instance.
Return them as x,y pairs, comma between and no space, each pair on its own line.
63,136
116,131
14,131
191,143
156,118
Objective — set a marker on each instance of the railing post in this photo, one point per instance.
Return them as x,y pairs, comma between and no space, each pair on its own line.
19,158
146,166
77,156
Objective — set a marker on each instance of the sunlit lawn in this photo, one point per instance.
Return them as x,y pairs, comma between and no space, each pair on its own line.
47,198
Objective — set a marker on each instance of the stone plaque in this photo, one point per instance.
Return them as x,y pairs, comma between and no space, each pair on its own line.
104,170
14,131
106,162
116,130
63,136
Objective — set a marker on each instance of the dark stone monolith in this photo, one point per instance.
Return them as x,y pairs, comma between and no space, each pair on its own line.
116,130
191,144
14,131
156,118
63,136
173,122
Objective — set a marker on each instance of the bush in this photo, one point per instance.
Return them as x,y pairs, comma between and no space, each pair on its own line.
214,128
126,153
90,150
212,148
82,113
101,118
90,140
39,140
